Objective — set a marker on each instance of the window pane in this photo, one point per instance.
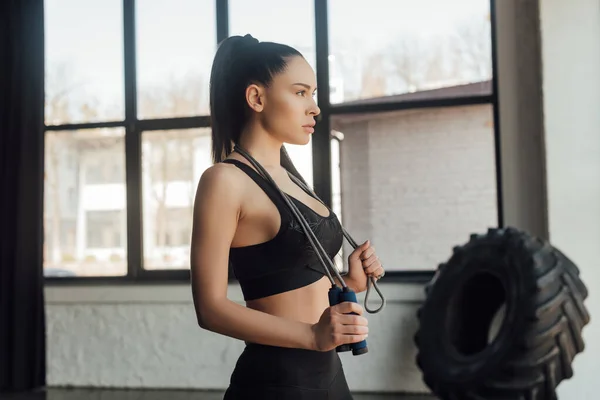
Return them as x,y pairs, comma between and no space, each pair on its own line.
287,22
85,218
417,182
84,61
176,42
301,156
411,46
172,163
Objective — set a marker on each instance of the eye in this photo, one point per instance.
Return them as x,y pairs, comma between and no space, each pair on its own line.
301,93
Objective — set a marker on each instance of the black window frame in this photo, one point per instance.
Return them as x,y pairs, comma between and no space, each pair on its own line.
321,143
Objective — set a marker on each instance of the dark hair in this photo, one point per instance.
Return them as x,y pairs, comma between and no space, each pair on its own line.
239,62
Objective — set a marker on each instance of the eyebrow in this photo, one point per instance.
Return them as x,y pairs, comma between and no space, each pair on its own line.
304,85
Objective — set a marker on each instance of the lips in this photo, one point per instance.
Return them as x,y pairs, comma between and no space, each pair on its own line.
309,128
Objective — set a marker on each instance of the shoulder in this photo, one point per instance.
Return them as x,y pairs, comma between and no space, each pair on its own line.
220,174
220,178
223,183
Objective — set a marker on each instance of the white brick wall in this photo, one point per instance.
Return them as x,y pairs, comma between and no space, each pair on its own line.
146,336
418,182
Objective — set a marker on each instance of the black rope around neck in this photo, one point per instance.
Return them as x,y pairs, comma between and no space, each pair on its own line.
316,245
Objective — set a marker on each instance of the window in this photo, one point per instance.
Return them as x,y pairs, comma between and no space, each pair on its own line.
105,229
176,41
101,167
404,148
85,202
172,163
411,108
169,156
84,61
288,22
393,47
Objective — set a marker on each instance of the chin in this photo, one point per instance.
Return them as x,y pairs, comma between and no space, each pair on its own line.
306,139
299,141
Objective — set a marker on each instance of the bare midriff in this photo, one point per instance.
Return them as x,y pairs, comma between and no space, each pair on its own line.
305,304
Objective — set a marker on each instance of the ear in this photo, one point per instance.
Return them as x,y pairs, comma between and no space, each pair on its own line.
255,97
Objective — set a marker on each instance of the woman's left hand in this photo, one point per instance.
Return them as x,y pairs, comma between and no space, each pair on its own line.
363,263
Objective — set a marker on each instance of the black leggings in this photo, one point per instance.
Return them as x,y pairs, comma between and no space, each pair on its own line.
266,372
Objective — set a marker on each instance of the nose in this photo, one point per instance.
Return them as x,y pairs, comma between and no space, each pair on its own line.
314,110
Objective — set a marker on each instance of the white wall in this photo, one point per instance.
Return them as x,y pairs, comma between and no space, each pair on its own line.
418,182
548,60
145,336
571,91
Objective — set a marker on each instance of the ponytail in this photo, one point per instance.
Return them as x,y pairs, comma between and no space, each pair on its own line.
225,114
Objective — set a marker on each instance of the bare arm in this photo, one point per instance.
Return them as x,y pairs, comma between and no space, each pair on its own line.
216,214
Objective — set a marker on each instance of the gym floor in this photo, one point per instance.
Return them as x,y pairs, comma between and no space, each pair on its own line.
96,394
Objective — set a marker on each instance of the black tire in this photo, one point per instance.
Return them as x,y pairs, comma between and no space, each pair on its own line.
544,314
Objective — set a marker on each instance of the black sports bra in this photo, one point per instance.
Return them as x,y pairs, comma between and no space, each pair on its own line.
287,261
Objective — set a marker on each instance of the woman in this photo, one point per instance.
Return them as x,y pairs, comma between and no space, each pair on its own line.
262,96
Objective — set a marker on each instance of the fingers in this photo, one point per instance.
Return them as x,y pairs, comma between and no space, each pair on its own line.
352,320
369,252
373,267
346,328
349,339
350,328
348,307
356,254
371,264
378,273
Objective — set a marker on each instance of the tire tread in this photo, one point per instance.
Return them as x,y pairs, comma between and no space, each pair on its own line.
543,358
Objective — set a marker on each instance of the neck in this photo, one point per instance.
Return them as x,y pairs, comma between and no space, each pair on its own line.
261,146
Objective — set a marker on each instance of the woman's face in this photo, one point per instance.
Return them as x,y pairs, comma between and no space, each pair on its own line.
289,106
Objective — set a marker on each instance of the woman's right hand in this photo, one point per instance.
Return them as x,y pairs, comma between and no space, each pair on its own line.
336,326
